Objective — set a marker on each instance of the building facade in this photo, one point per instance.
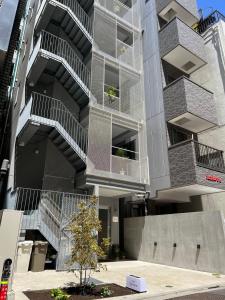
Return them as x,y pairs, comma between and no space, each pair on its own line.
79,125
124,100
184,87
11,13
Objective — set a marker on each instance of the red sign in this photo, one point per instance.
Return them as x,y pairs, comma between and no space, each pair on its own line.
3,291
214,178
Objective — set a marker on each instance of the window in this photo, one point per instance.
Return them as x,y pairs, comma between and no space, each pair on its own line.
178,135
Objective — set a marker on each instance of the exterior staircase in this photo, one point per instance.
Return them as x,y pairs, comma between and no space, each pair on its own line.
55,55
50,213
62,127
71,17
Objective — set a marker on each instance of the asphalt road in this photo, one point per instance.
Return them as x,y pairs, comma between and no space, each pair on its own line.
213,295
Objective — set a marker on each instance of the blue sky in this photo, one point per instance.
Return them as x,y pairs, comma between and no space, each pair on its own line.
210,5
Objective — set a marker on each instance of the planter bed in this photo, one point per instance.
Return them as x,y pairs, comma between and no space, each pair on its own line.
116,289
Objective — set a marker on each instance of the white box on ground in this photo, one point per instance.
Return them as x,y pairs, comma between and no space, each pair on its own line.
136,283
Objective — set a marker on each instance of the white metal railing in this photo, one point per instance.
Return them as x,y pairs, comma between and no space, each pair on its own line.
123,11
79,13
62,48
127,163
47,211
125,53
53,109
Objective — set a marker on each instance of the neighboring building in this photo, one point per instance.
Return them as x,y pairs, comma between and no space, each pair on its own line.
78,117
11,13
184,61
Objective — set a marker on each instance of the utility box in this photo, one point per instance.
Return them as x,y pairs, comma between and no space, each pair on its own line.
23,256
10,222
38,257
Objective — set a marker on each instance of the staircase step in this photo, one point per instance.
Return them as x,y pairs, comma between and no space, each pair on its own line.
53,134
73,32
69,83
64,146
60,71
69,26
76,39
73,89
68,152
78,93
64,78
58,140
65,20
81,42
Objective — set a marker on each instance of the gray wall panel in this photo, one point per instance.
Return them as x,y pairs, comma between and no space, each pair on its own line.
187,231
156,125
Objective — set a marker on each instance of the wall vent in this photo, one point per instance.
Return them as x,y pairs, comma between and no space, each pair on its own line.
189,65
170,14
182,121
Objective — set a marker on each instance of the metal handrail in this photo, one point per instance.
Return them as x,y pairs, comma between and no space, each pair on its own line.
47,210
62,48
209,157
54,109
206,156
209,21
80,13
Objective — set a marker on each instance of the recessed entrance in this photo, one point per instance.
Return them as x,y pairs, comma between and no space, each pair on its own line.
104,217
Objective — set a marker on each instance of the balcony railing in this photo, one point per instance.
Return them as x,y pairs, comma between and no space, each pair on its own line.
208,157
126,162
53,109
209,21
61,48
79,13
202,155
125,153
128,14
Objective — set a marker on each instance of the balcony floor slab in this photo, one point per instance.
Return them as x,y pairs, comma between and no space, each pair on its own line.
184,60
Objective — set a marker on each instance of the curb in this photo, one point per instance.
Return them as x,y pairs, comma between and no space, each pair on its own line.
172,294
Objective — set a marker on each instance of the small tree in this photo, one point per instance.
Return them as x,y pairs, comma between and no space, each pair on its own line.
84,228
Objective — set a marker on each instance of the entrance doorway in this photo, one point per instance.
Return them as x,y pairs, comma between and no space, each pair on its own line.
104,217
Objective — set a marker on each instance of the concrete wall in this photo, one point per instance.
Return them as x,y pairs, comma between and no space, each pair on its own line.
155,115
187,231
59,174
30,164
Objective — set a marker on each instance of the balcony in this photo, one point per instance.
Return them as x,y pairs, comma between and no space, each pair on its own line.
185,10
189,105
195,169
127,11
50,117
70,16
55,56
181,46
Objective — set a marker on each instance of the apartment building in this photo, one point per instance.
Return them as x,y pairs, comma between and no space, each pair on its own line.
124,100
184,87
79,126
10,16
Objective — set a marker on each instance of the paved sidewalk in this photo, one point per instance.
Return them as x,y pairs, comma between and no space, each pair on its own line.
161,280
